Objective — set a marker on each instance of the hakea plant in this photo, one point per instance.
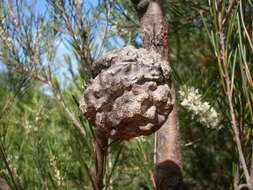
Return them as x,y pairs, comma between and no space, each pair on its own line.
129,96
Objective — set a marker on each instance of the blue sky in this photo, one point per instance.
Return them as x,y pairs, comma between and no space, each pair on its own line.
41,8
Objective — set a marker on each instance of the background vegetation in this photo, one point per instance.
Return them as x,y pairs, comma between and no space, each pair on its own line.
46,48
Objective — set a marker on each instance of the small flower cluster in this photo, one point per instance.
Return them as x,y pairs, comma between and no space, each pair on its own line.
28,126
11,164
57,172
191,99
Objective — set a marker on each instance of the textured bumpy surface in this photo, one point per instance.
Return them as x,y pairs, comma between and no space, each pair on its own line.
130,95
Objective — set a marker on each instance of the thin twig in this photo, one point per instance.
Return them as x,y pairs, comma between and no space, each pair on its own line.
151,175
189,18
230,101
108,13
70,27
83,50
236,176
7,105
7,165
22,69
71,115
237,139
229,10
101,145
244,27
251,168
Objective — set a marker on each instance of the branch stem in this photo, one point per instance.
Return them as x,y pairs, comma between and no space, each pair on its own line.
101,144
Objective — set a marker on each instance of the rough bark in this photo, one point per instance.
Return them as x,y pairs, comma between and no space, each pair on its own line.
100,146
168,151
130,95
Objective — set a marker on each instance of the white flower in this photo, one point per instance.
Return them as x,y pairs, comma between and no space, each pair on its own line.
29,127
57,173
191,99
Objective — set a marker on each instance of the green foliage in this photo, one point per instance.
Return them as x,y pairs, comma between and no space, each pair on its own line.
46,143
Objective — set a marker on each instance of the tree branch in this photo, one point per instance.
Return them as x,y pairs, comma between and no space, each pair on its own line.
229,89
168,150
7,105
100,146
70,115
22,69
